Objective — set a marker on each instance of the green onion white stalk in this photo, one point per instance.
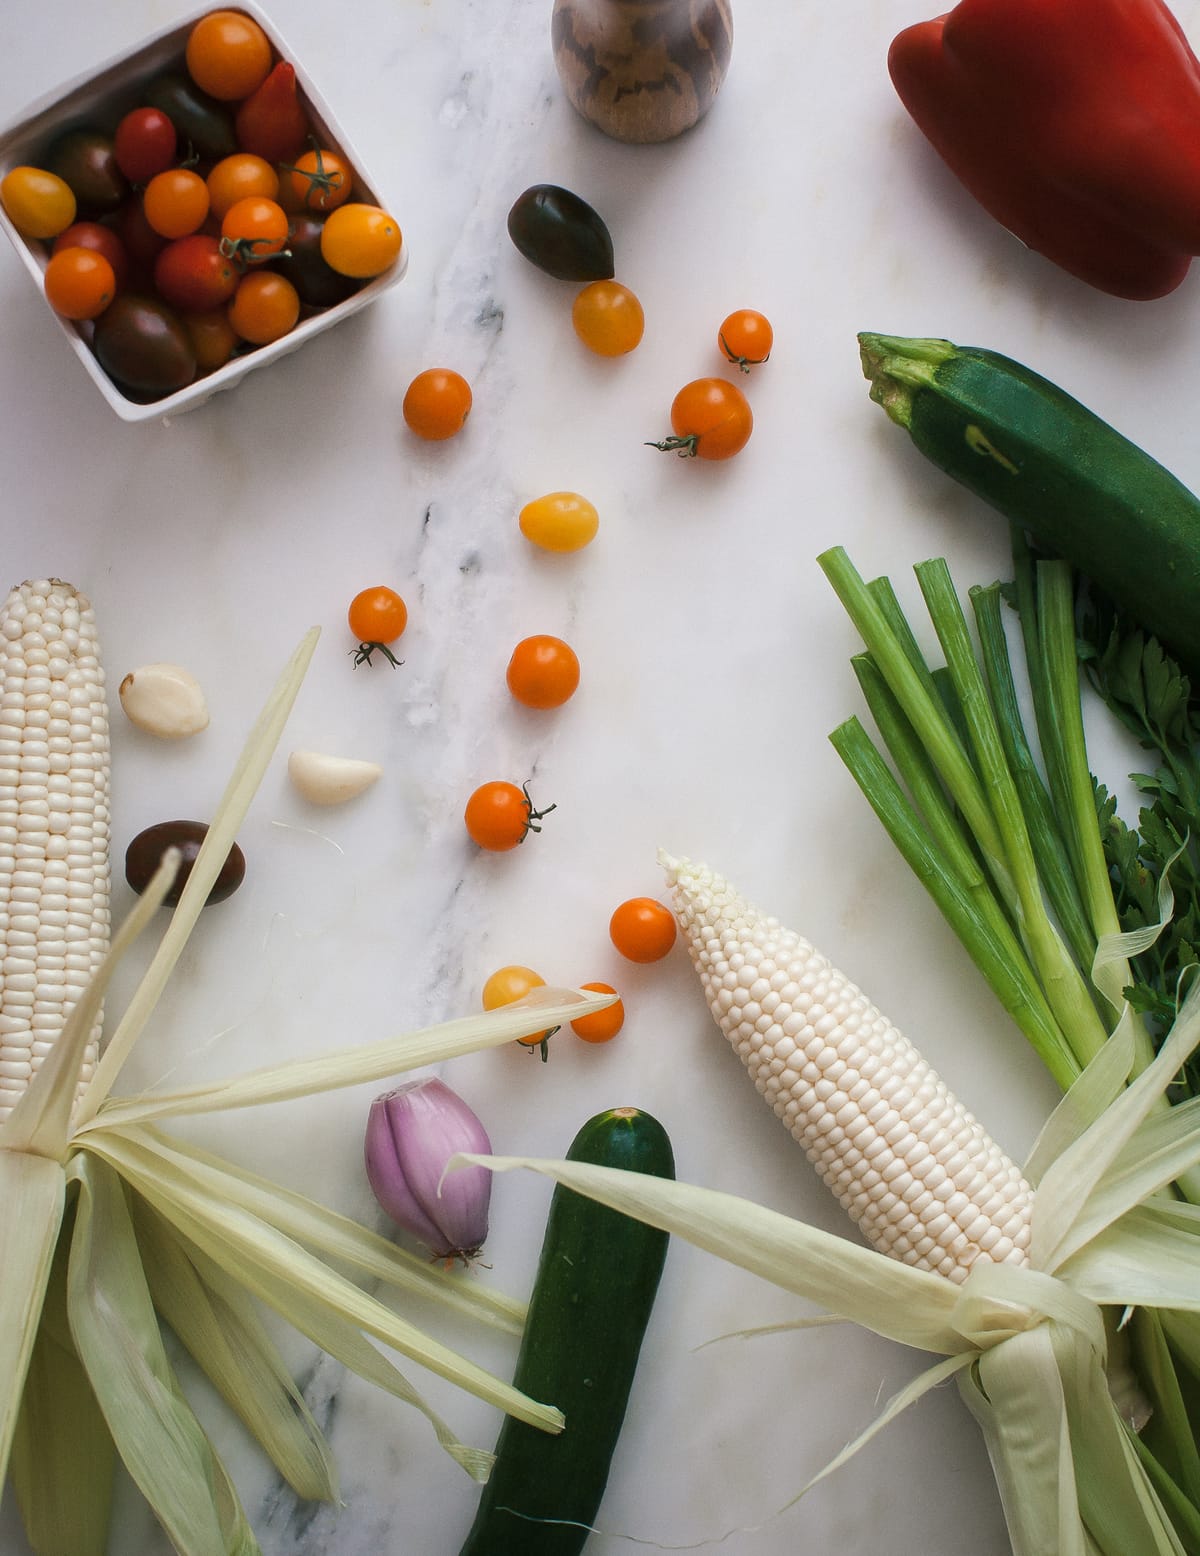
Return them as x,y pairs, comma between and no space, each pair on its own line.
108,1224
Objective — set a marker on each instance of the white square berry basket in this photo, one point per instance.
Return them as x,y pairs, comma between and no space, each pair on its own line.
99,97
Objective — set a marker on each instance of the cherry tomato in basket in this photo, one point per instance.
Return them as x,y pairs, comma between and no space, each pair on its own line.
272,121
710,418
79,283
437,403
265,307
228,55
543,672
608,318
142,345
602,1025
746,338
213,338
509,984
176,202
360,240
238,177
320,180
377,617
559,521
642,929
499,815
39,204
95,235
144,144
253,229
85,160
193,274
142,243
304,265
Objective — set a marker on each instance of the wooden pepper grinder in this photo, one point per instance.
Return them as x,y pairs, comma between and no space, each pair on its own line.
642,70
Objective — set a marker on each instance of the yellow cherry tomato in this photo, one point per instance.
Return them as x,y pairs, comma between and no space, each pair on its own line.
39,204
511,983
608,318
360,240
559,521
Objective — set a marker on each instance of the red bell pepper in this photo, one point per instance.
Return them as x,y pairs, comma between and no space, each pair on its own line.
1075,123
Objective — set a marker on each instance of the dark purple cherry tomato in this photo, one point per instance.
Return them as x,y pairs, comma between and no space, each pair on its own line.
86,161
200,121
561,234
144,854
144,348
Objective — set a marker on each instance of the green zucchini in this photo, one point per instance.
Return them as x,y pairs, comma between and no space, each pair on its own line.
1057,470
596,1281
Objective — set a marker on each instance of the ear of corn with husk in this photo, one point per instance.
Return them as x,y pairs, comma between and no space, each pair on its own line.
1025,1335
108,1224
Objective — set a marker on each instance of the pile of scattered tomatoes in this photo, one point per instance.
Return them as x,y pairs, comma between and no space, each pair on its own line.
199,215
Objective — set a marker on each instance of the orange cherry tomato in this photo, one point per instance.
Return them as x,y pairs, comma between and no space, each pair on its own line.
79,283
213,338
176,202
499,816
642,929
710,418
746,338
437,403
608,318
602,1025
320,180
253,229
360,240
543,672
265,307
228,55
377,616
508,984
237,177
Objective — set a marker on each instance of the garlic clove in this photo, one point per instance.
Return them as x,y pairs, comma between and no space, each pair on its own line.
164,700
330,780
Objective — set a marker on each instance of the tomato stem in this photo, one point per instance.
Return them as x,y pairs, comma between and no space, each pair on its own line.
744,363
362,656
685,447
241,251
533,816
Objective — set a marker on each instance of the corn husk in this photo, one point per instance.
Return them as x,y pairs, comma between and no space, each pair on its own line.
1028,1347
109,1225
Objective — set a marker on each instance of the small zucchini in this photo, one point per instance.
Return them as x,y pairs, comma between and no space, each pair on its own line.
596,1281
1053,468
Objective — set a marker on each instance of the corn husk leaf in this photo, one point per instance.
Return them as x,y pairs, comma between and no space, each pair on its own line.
63,1456
1068,1184
356,1066
267,1263
219,1326
335,1236
33,1198
116,1334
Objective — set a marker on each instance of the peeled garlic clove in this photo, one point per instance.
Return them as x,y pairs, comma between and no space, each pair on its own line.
330,780
165,700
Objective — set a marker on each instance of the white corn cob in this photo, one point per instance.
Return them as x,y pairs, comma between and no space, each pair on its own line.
54,824
917,1173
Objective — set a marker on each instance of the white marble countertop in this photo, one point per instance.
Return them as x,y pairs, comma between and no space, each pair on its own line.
715,662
